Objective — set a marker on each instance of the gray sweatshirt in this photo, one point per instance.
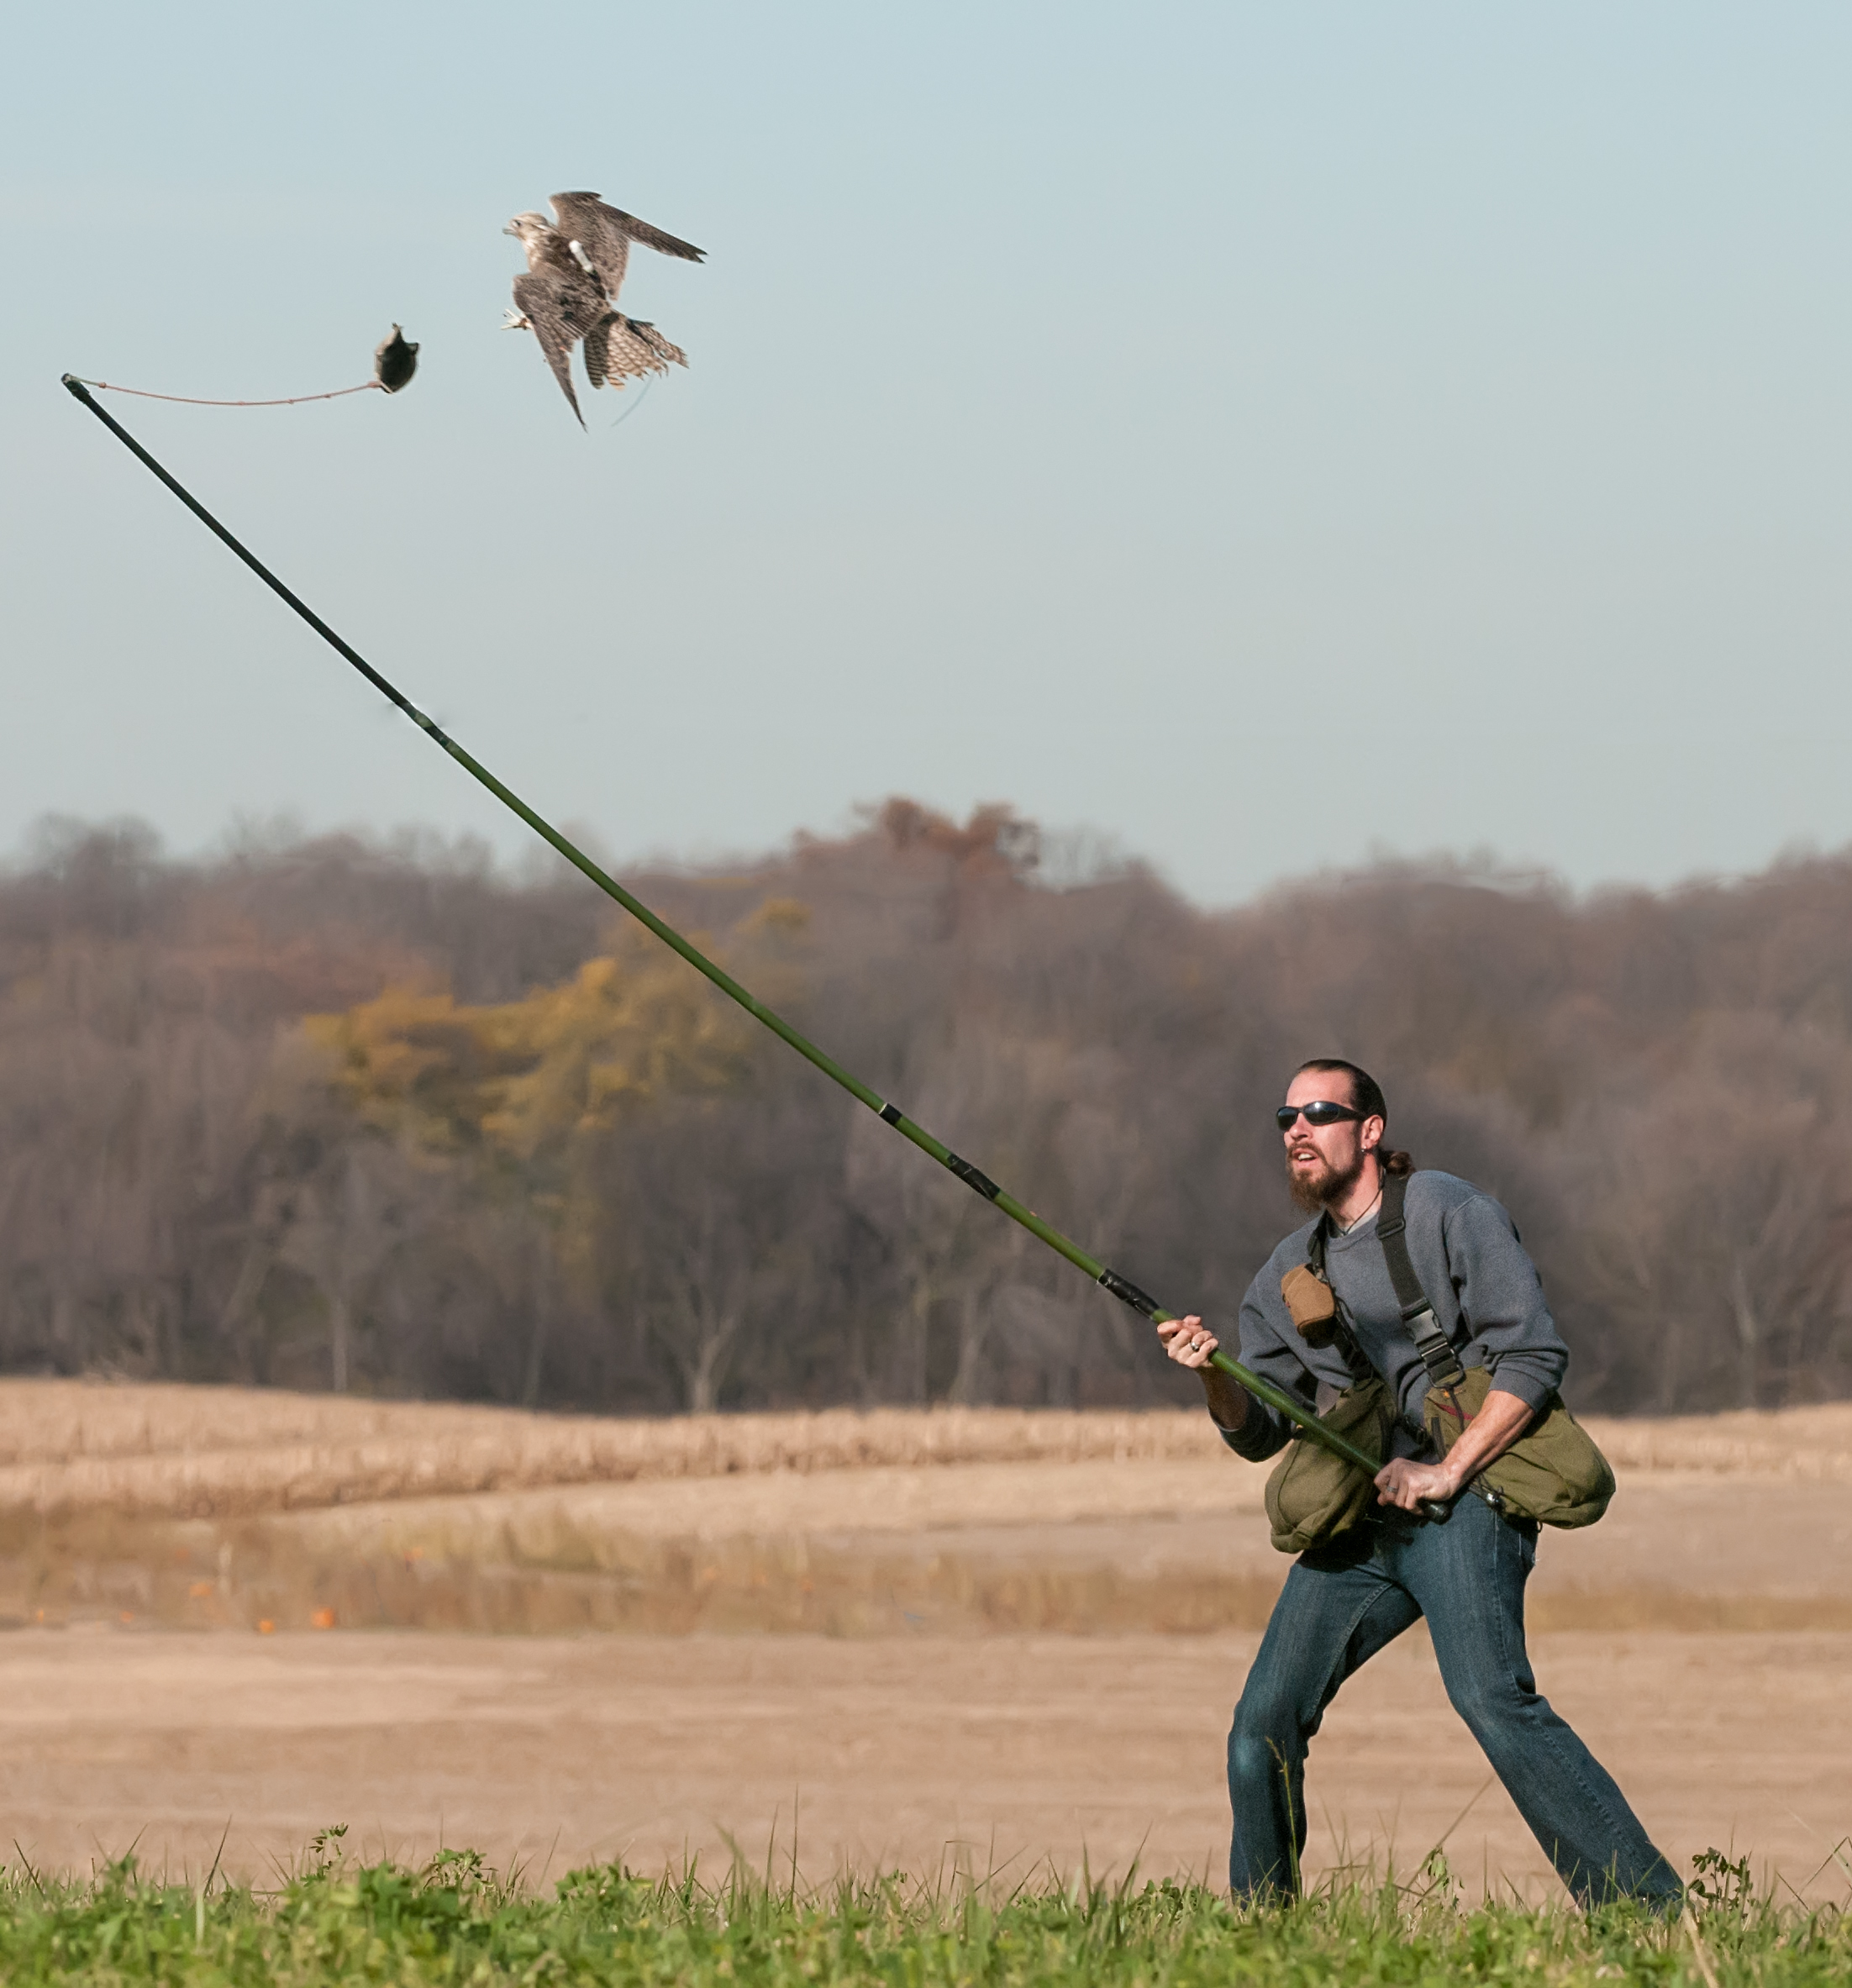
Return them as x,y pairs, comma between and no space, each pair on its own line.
1483,1286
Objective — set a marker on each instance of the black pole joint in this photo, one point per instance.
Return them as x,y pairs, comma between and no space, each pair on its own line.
980,1183
1127,1293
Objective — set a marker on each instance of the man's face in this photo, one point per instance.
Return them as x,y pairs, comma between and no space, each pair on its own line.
1324,1161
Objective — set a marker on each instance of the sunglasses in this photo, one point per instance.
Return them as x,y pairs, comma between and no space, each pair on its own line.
1320,1111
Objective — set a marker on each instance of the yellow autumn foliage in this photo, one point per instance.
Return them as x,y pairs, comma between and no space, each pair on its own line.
524,1080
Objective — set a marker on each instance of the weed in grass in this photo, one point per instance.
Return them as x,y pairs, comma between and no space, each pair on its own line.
456,1921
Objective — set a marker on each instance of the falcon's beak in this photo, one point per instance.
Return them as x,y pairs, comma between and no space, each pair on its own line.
511,229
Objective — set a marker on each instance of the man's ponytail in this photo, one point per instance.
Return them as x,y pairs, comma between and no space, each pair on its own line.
1394,1162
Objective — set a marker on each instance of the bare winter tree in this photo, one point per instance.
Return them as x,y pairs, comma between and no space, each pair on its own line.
1659,1085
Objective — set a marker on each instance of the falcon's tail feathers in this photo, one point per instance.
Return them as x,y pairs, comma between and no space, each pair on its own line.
618,348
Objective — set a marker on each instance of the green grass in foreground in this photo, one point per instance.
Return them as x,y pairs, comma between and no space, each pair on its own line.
455,1921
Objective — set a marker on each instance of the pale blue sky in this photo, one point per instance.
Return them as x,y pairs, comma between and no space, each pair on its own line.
1261,434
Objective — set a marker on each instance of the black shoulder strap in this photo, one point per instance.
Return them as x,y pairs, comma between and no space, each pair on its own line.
1315,1248
1418,1315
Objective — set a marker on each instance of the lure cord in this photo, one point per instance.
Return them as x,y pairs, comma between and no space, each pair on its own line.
187,400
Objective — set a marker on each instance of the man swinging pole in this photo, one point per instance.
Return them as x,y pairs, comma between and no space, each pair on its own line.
1462,1269
1388,1573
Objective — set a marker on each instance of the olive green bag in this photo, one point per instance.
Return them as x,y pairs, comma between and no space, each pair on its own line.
1555,1474
1314,1498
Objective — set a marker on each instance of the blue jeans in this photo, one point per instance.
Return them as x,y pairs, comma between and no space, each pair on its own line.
1339,1607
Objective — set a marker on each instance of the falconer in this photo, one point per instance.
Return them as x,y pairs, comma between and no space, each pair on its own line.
1344,1599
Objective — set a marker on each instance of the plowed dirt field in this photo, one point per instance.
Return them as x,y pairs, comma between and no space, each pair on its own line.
985,1636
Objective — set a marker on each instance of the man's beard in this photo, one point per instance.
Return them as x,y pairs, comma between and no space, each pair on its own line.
1313,1193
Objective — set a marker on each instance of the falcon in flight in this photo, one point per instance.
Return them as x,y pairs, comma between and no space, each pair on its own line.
569,293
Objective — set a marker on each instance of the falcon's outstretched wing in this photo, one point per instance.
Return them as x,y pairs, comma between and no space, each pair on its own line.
560,309
619,349
606,232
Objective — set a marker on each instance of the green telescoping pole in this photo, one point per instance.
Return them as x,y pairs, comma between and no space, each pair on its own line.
1127,1292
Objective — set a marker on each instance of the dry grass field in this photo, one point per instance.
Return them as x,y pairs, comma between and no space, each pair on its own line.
210,1507
1019,1632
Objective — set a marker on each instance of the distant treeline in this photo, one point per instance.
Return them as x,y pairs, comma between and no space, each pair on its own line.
378,1118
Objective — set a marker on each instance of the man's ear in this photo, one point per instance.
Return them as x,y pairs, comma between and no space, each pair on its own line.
1373,1145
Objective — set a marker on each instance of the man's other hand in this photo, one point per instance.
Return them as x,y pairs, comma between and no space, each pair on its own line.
1490,1434
1403,1482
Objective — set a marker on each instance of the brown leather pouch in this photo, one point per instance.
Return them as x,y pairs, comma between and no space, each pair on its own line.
1313,1303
